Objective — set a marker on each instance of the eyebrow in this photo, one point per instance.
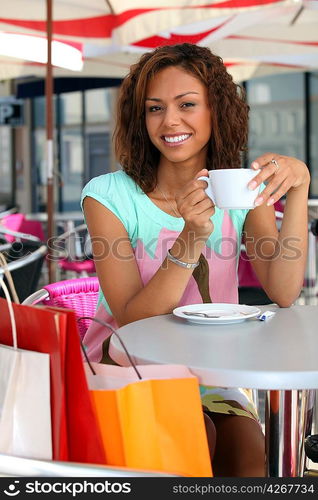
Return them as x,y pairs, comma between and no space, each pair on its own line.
176,97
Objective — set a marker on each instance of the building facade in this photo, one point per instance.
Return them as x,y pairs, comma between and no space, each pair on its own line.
283,119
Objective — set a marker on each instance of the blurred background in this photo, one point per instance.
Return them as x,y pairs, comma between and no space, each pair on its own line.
269,46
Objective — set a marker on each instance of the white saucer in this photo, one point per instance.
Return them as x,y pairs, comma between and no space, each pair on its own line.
227,313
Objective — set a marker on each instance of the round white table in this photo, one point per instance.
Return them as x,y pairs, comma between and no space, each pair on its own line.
279,355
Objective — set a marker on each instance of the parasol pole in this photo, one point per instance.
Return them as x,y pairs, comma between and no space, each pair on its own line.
49,137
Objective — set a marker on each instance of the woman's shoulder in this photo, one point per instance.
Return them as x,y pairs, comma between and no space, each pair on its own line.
109,183
114,191
116,186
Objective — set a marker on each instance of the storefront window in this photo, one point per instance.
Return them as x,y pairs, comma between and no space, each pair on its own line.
277,115
70,108
6,187
82,145
39,171
71,168
39,167
39,107
39,112
98,105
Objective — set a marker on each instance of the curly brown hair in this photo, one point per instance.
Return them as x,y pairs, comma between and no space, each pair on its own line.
135,152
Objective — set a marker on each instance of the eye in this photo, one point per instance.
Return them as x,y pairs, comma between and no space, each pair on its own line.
187,104
153,109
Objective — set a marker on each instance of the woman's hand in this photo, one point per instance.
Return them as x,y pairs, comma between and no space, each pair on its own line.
282,175
195,206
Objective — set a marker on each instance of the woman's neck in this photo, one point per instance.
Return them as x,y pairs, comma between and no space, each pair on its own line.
173,176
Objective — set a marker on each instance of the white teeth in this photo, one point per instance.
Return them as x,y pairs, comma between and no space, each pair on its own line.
177,138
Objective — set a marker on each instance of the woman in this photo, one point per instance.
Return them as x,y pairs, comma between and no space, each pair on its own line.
156,235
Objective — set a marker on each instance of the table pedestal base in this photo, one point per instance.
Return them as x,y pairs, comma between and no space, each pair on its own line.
288,419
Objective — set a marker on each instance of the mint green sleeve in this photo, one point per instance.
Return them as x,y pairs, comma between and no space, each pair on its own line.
109,190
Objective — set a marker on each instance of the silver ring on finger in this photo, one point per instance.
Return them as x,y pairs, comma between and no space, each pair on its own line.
276,164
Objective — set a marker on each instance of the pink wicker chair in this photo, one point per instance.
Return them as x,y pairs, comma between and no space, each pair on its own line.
80,295
18,223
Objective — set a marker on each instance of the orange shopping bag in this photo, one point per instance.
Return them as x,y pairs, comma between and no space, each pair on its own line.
150,417
84,443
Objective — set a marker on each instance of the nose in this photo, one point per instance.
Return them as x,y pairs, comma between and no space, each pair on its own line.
172,116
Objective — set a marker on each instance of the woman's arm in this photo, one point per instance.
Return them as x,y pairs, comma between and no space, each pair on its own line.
116,266
279,258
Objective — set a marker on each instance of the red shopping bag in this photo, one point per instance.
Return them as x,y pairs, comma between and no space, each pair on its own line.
75,433
83,433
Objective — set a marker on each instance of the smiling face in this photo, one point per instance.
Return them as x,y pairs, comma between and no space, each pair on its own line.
178,116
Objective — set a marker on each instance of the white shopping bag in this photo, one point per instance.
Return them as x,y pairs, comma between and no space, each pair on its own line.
25,413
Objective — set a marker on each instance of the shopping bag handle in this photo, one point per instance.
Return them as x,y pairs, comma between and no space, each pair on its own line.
7,273
107,325
11,312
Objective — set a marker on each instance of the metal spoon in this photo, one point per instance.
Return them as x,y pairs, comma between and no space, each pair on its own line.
208,315
201,314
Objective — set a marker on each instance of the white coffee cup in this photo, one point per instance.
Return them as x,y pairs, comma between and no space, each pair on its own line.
228,189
